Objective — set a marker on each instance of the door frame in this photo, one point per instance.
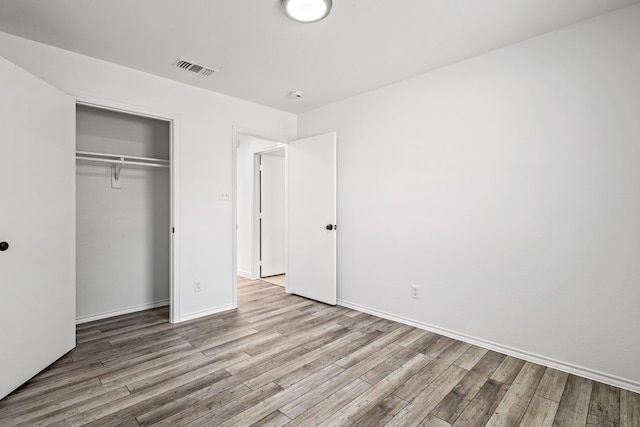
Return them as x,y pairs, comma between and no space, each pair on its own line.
283,142
174,184
256,225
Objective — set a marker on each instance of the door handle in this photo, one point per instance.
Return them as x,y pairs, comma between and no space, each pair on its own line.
4,246
331,227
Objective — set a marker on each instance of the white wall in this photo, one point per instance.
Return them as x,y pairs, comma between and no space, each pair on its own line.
122,235
206,123
507,187
247,146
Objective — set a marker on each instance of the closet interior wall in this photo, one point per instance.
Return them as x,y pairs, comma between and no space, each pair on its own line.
122,234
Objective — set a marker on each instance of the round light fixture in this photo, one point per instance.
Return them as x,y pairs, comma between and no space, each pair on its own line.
306,10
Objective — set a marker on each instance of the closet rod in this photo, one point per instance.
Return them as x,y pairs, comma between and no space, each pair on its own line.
122,162
126,156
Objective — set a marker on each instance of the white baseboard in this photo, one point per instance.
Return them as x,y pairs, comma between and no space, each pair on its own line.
209,312
570,368
118,312
243,273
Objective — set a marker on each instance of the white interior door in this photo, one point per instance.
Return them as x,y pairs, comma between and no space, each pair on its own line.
37,221
272,224
311,218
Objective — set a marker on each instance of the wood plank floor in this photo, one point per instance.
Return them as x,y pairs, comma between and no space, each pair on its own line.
279,280
284,360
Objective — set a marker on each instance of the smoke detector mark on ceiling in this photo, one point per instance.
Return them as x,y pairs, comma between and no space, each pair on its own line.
194,68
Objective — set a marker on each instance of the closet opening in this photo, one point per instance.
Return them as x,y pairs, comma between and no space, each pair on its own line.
124,221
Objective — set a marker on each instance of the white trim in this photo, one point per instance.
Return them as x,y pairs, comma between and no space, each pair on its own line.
112,105
335,216
174,187
570,368
208,312
255,218
246,274
119,312
174,291
286,216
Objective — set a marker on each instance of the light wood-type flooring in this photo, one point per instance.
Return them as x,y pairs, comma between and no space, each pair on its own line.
284,360
279,280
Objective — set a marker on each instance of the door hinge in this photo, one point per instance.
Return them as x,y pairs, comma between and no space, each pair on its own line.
173,230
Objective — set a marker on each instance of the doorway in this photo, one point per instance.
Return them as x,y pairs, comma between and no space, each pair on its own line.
311,211
260,195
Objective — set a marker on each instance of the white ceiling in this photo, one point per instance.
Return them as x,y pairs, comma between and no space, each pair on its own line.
262,55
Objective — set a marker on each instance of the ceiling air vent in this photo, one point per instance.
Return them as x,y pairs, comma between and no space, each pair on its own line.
194,68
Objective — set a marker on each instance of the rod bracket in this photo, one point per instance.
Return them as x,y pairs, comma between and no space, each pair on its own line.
116,169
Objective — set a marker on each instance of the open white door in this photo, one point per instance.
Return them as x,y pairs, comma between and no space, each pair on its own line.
311,218
272,219
37,221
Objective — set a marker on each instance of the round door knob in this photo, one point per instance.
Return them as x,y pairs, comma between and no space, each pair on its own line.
4,246
329,227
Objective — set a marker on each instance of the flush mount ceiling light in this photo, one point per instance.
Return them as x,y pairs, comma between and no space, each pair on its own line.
306,10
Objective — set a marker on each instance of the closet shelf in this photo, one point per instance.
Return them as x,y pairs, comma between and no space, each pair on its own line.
121,160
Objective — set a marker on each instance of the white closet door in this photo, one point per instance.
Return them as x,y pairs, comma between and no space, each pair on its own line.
37,221
311,178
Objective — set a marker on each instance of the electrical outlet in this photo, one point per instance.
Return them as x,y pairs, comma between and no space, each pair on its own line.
224,195
415,291
196,286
